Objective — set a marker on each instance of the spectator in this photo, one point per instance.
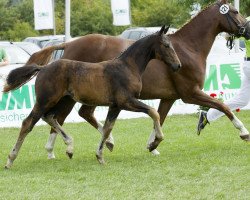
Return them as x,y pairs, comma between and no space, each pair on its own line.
3,58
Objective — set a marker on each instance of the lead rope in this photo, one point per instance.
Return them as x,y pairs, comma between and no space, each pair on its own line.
230,42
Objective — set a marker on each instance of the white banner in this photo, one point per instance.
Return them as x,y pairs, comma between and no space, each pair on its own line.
43,14
121,12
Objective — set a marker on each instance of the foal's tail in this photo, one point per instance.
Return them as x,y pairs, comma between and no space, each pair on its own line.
43,56
19,76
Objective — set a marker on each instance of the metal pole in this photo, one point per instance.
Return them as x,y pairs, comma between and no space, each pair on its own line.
54,16
67,20
237,42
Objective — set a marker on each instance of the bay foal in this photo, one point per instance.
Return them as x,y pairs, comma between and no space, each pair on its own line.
116,83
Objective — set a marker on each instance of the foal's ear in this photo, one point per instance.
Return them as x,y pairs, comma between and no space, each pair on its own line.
162,30
166,29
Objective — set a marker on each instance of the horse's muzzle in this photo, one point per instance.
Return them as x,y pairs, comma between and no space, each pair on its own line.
247,35
176,67
245,30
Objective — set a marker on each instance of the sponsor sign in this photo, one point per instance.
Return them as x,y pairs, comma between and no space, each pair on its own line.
121,12
43,14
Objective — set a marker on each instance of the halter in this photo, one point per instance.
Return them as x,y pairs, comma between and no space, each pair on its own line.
230,20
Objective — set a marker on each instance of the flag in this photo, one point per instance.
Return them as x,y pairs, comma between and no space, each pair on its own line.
121,12
43,14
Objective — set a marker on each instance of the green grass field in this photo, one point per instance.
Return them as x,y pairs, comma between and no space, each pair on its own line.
214,165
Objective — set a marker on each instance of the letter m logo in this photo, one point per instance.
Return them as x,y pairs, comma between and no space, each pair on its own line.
230,76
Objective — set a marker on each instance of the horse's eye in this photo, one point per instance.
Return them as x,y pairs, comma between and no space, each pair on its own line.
165,44
236,12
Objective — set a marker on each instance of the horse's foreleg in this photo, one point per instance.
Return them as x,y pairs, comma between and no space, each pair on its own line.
60,112
137,106
163,110
87,113
27,126
56,126
200,98
107,128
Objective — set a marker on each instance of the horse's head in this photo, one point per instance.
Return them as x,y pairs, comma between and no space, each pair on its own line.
165,50
232,21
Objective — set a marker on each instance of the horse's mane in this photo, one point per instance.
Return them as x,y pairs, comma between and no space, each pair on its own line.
191,19
135,45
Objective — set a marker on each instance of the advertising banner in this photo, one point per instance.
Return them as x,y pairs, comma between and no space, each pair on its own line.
121,12
43,14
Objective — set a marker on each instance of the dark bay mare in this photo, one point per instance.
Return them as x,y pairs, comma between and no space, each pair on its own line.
115,83
192,44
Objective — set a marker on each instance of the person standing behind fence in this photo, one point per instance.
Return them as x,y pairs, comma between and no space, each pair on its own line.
240,100
3,58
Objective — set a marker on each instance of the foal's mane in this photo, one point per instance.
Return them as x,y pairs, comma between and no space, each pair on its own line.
135,45
194,18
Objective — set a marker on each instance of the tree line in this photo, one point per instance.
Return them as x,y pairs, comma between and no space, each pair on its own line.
95,16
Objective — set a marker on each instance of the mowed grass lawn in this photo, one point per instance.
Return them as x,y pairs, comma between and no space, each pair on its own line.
214,165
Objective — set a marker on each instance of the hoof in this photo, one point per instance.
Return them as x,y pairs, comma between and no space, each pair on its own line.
100,160
6,167
151,147
110,146
155,152
70,155
51,156
8,164
245,138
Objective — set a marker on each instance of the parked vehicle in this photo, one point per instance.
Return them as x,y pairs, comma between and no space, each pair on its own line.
42,40
57,54
137,33
17,58
29,47
16,55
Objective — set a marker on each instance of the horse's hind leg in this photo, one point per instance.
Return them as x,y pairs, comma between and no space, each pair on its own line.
60,112
107,128
87,113
200,98
163,110
137,106
56,126
27,126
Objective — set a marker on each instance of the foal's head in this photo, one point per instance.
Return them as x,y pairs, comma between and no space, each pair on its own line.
165,51
231,20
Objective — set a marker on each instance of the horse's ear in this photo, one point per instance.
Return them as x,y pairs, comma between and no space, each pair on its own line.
162,30
223,1
166,29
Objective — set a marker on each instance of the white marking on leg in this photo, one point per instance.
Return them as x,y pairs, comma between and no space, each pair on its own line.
69,142
158,132
13,154
50,145
151,138
239,125
57,127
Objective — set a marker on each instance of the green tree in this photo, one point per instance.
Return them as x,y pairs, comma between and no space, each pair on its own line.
20,31
7,17
157,13
92,16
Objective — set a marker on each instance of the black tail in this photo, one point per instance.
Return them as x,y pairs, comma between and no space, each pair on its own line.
19,76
